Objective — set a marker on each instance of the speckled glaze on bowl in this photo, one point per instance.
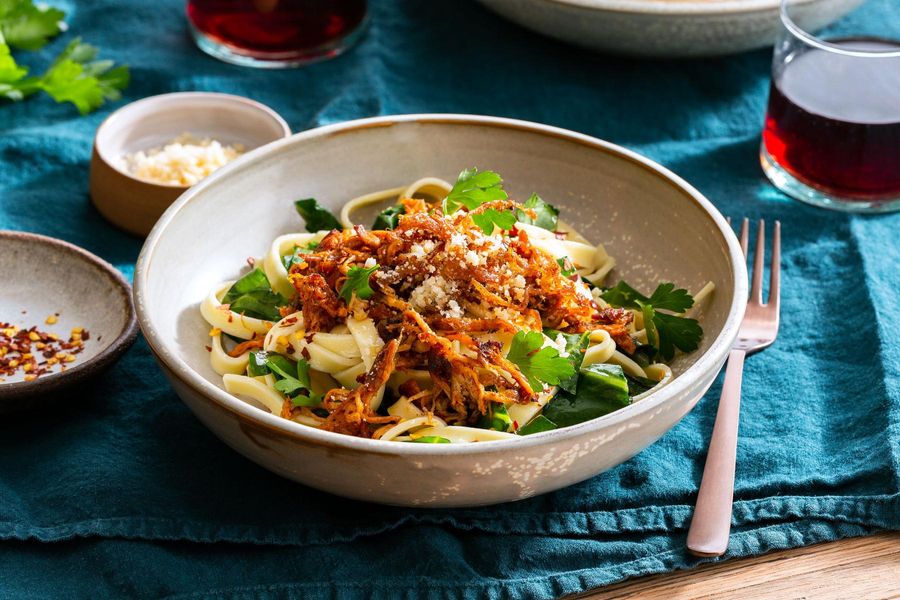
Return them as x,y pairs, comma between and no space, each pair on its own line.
653,222
666,28
42,276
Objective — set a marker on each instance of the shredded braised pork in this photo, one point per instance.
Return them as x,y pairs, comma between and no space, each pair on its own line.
442,288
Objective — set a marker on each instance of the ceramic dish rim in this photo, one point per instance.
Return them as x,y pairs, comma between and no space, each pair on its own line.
124,338
121,113
708,361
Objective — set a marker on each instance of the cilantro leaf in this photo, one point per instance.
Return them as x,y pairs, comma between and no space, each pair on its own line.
389,218
546,215
357,282
316,217
491,217
472,189
664,331
538,364
26,26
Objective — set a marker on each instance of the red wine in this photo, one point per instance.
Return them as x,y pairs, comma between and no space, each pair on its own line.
834,121
276,29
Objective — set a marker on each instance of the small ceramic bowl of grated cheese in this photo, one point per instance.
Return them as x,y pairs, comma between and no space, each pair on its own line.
149,152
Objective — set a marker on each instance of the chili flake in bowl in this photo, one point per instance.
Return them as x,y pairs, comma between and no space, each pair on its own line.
33,353
65,315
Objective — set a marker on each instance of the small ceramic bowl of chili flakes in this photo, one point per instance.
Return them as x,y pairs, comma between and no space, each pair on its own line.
65,315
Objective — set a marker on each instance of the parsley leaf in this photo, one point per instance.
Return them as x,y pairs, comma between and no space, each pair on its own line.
664,331
676,332
623,295
10,73
26,26
546,215
491,217
77,78
472,189
289,260
665,297
538,364
357,282
576,345
316,217
73,77
389,218
251,295
566,268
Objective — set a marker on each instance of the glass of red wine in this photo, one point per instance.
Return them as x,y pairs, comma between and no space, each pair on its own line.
276,33
832,129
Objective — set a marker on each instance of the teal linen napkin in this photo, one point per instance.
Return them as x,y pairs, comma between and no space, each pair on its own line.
118,490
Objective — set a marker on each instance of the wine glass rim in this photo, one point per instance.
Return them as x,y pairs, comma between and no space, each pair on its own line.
821,44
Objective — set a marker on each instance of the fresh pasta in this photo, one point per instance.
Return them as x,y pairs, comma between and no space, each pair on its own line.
460,316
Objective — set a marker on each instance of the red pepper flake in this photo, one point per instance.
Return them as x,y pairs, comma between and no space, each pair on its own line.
21,350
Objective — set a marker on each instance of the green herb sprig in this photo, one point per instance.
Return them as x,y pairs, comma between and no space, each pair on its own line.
74,76
540,365
665,332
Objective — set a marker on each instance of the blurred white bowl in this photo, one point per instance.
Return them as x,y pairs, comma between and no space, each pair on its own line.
666,28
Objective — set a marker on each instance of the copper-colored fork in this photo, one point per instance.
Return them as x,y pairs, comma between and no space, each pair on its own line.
711,523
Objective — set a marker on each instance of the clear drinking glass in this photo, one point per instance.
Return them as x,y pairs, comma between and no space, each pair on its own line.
832,129
276,33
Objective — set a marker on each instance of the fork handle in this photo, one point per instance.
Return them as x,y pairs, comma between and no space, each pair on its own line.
711,523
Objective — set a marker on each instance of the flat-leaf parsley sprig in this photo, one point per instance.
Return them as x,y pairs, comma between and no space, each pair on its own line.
540,365
665,332
74,76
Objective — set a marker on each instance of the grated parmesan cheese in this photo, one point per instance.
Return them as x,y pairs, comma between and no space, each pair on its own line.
183,161
436,291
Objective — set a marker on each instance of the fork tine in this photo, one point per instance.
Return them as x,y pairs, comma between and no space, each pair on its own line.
774,300
759,257
745,235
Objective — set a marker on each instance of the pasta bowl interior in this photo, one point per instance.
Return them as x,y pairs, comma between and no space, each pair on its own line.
475,318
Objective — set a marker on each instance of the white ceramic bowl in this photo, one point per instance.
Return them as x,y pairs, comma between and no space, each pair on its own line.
666,28
653,222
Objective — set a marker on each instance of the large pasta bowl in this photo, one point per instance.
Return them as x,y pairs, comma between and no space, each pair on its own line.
655,224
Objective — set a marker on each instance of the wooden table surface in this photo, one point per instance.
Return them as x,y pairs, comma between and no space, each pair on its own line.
866,568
